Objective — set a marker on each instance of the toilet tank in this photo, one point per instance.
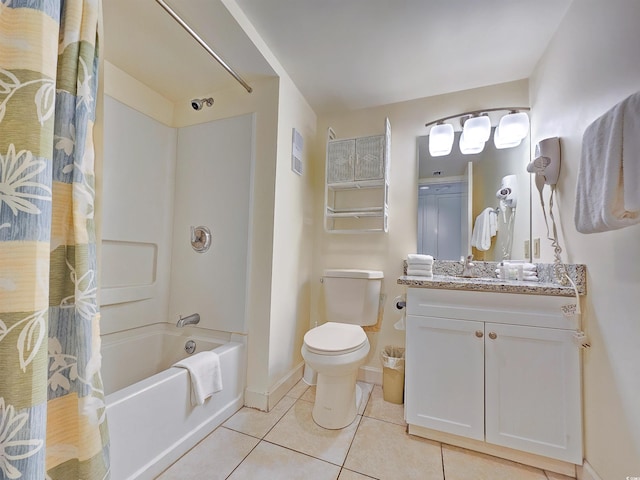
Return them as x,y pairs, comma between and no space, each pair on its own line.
352,296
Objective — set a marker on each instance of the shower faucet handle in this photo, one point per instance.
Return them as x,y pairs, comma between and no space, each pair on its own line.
200,238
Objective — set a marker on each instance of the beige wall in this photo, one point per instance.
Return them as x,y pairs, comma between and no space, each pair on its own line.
293,237
276,335
386,251
592,63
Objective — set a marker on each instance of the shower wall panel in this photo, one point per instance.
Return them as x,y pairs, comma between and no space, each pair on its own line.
213,189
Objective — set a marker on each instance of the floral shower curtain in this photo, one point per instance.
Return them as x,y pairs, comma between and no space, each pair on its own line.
52,411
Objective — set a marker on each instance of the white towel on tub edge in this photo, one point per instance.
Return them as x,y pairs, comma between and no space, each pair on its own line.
205,375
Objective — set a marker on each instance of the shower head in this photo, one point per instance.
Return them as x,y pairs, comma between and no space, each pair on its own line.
198,103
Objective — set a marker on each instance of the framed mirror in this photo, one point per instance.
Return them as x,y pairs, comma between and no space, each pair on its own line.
477,203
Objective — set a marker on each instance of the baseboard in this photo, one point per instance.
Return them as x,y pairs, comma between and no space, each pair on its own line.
265,401
370,375
257,400
281,388
586,472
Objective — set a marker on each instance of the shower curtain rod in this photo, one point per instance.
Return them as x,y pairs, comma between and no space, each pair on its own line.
203,44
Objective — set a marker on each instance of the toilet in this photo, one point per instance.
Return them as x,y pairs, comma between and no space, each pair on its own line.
337,348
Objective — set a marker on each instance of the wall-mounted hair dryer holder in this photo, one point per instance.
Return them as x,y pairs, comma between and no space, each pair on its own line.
547,160
508,191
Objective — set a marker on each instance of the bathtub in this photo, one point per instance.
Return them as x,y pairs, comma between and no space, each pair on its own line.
151,420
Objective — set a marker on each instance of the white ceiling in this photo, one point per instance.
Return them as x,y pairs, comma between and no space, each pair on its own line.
342,54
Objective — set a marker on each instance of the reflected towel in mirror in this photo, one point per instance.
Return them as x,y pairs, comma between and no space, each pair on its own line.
485,227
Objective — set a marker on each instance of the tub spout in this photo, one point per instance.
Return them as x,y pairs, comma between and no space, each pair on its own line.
192,319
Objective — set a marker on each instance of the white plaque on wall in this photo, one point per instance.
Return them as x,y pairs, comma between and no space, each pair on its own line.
296,152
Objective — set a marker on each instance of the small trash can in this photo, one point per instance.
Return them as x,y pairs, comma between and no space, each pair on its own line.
393,374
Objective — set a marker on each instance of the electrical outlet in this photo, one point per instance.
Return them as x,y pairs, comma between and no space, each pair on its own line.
527,246
536,247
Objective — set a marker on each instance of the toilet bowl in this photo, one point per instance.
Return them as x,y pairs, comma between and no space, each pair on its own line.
335,351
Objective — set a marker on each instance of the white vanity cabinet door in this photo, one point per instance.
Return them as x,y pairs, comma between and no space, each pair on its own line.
445,375
532,382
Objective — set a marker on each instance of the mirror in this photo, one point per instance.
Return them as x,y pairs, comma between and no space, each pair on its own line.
455,192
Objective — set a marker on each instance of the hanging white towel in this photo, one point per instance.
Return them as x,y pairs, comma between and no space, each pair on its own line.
608,187
205,374
485,227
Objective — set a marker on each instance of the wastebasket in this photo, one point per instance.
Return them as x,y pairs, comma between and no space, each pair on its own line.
393,374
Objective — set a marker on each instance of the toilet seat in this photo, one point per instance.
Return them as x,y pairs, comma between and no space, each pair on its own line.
335,339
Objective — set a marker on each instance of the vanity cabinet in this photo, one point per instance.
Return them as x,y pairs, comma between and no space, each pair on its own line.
357,184
502,369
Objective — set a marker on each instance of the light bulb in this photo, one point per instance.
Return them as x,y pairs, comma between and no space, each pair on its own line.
468,148
477,129
441,140
500,142
513,126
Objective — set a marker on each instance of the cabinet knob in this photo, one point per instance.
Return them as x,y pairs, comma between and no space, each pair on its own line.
492,335
479,333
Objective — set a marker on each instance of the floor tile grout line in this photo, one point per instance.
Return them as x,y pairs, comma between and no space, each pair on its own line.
260,439
444,475
243,459
351,442
359,473
301,453
266,413
281,416
404,425
341,466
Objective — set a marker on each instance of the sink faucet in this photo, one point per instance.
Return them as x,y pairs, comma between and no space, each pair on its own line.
192,319
467,267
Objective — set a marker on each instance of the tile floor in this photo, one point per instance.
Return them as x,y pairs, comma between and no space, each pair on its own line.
286,444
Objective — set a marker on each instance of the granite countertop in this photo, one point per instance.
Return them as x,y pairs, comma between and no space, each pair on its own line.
446,276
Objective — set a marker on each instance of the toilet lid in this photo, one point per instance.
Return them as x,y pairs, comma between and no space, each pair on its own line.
334,337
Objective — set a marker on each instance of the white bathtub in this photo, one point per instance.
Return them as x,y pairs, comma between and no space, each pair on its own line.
151,420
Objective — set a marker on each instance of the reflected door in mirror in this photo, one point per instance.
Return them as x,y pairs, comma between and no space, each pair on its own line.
442,220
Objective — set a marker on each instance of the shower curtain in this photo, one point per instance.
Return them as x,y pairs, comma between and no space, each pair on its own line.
52,410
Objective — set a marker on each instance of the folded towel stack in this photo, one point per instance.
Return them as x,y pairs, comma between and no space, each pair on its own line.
419,265
518,271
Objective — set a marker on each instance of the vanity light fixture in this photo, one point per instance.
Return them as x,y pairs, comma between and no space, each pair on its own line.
476,130
441,139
